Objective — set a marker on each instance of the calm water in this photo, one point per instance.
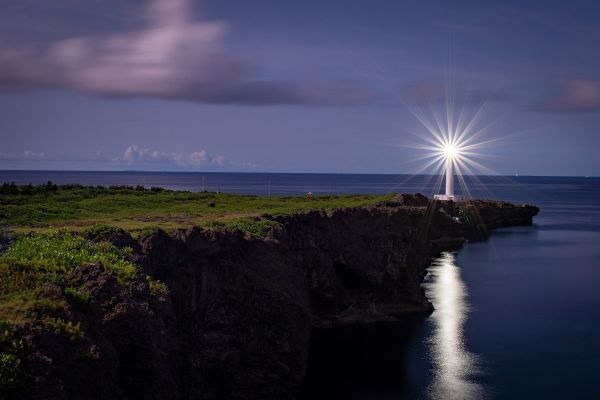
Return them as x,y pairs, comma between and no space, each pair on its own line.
516,316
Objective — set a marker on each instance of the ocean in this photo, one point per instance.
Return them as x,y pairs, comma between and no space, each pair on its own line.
517,316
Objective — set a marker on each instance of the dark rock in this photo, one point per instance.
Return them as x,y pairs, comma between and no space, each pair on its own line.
236,323
126,352
116,236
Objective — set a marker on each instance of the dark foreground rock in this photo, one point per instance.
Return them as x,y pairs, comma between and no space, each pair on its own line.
237,320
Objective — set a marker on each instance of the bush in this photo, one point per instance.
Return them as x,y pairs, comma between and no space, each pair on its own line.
57,252
252,227
157,288
10,371
62,327
255,227
217,226
6,237
102,229
146,232
78,296
9,188
463,216
46,306
105,233
10,362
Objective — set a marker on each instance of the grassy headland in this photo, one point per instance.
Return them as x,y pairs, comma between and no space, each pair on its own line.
43,207
48,231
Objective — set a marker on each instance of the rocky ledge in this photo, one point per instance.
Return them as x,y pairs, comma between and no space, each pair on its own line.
236,321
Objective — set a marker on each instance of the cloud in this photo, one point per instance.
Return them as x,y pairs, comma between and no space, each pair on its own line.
174,57
27,155
136,155
8,156
436,91
32,155
424,92
574,95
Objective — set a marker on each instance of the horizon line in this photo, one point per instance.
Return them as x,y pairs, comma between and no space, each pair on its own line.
285,173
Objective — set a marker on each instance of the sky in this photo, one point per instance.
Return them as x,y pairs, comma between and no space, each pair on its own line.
345,86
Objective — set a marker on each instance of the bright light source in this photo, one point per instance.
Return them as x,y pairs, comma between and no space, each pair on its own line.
453,138
450,151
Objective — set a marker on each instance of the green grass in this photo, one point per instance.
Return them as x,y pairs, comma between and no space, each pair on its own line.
31,208
60,228
97,230
38,258
57,252
251,227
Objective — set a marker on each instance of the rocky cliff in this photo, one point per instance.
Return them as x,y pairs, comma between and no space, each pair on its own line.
237,319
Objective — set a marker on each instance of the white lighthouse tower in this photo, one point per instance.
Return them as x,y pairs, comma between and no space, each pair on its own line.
450,153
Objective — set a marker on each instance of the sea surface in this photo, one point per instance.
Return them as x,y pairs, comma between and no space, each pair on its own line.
516,317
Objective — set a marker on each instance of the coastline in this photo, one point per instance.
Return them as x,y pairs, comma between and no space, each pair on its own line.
237,319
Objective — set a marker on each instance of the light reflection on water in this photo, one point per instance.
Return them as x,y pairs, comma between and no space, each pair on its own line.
454,367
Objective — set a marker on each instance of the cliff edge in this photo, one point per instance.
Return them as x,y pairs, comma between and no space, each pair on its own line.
235,318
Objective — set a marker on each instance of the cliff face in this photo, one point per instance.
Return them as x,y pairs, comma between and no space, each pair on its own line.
237,320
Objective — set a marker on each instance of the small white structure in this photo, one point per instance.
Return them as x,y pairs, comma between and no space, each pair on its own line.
450,152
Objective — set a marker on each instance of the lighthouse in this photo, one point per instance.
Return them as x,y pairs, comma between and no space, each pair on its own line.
450,153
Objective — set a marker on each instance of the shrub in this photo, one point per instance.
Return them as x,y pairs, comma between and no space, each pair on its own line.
6,237
10,362
78,296
146,232
45,306
157,288
463,215
251,227
62,327
10,371
57,252
102,229
214,226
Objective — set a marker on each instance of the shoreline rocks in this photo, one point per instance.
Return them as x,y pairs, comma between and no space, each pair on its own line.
237,320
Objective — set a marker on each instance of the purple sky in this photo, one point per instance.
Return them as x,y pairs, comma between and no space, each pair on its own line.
295,86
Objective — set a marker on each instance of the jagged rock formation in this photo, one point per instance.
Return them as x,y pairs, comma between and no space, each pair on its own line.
237,320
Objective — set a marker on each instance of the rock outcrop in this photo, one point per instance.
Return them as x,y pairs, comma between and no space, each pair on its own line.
237,320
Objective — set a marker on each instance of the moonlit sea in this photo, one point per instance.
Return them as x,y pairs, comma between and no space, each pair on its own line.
516,317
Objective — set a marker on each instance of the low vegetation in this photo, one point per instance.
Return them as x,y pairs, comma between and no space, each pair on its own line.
10,361
6,236
47,231
35,259
51,254
157,288
28,265
251,227
42,207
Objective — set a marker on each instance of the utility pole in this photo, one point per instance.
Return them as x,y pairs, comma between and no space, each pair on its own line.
203,184
269,188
